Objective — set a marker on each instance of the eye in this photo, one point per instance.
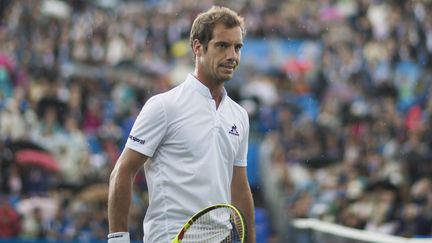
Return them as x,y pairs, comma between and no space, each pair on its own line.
222,45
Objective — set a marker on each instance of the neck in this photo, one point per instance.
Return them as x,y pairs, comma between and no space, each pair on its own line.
216,88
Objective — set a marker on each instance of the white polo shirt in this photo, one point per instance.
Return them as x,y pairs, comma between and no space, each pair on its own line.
193,147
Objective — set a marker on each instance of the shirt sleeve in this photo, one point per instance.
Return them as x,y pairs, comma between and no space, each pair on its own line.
149,127
241,159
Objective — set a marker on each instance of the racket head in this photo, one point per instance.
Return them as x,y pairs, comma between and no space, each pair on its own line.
216,223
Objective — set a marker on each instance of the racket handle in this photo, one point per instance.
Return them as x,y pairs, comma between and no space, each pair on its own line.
119,237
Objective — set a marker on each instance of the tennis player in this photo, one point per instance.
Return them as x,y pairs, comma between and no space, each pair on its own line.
191,140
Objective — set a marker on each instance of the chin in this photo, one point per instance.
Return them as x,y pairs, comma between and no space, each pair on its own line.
225,77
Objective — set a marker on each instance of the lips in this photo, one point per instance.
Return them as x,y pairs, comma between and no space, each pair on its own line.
228,66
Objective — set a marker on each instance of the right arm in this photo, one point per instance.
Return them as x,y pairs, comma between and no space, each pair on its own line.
150,123
120,189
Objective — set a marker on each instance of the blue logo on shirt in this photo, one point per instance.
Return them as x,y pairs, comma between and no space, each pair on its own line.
233,130
135,139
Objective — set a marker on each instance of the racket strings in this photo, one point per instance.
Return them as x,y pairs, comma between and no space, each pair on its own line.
218,225
238,228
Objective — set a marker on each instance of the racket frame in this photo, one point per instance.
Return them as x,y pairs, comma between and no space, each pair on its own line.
196,216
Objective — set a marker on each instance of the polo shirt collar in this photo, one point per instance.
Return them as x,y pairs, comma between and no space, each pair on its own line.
193,82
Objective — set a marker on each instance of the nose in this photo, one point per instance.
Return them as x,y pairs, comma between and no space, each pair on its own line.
233,54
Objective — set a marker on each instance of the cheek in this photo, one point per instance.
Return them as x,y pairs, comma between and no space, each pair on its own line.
203,61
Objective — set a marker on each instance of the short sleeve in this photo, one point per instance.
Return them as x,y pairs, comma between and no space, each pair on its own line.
149,127
241,158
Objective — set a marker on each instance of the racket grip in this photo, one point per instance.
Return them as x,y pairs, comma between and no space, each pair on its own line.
119,237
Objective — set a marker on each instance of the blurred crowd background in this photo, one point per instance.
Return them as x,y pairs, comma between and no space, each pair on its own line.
338,94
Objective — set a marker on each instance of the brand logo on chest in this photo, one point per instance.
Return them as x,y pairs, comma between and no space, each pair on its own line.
233,130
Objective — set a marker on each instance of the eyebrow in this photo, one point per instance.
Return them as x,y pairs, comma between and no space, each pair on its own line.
238,44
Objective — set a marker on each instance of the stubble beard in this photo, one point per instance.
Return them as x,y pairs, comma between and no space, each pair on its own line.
218,77
221,76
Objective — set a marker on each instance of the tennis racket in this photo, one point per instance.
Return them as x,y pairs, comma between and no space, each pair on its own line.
217,223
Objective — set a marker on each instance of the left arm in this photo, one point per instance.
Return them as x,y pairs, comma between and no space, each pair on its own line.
241,197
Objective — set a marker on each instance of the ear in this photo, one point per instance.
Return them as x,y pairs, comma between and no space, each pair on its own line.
197,47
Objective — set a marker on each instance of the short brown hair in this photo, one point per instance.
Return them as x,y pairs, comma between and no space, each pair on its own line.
205,22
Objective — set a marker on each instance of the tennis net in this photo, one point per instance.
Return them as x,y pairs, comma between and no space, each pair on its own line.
314,231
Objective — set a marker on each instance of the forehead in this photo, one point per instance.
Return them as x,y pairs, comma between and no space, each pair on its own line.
222,33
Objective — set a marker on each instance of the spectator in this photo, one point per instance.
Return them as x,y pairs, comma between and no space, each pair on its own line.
32,225
10,220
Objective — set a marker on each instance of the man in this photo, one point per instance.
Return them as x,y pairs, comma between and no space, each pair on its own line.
192,140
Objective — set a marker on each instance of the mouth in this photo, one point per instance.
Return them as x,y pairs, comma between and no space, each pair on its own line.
228,67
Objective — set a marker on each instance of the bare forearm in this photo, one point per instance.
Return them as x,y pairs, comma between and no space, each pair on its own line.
120,189
119,200
245,203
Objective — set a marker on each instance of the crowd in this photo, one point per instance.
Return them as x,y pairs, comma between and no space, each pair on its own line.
349,137
357,152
